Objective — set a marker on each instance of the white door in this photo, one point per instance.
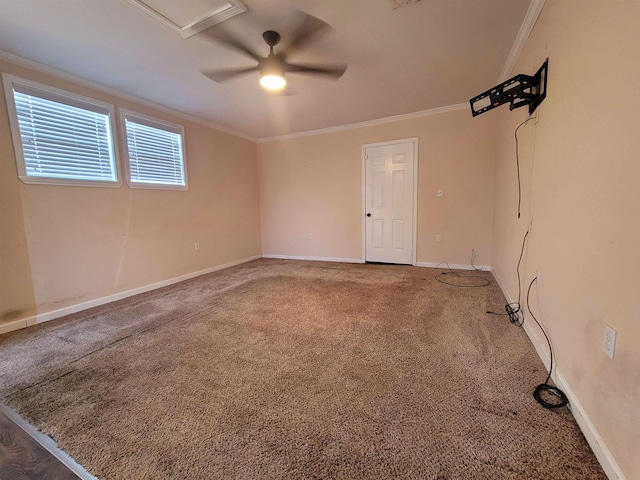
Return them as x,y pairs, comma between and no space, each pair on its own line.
389,202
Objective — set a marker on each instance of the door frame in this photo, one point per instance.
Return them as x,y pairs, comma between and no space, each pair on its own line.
413,140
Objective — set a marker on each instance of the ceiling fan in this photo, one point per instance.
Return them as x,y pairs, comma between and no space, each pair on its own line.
272,68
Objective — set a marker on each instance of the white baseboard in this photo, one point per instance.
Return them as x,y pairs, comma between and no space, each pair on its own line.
13,325
315,259
602,453
46,316
454,266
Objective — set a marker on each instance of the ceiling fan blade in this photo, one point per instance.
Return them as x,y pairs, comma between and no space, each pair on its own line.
223,37
333,71
310,28
223,75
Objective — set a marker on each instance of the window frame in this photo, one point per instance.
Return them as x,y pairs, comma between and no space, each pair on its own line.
159,124
67,98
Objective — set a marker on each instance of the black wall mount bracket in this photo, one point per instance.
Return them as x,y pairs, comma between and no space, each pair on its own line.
518,91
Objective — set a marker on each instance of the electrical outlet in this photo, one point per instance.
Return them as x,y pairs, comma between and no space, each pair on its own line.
439,192
438,238
311,236
609,345
196,246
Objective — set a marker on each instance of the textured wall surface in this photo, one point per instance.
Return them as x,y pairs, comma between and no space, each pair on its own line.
314,185
580,194
64,245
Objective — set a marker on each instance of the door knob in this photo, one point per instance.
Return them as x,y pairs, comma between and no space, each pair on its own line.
368,214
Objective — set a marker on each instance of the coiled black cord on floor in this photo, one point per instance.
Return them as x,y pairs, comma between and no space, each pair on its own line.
514,309
546,395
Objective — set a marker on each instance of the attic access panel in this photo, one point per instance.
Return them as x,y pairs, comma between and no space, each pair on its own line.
518,91
188,17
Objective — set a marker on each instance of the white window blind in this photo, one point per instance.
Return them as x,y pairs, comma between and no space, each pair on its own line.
62,139
155,153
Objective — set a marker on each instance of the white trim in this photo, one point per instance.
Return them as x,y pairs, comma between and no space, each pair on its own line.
368,123
47,443
160,125
595,441
414,240
10,326
66,98
231,9
454,266
23,62
364,203
313,259
416,161
602,453
45,317
523,35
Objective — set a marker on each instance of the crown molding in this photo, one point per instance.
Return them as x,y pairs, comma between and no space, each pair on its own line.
523,34
521,39
228,9
23,62
368,123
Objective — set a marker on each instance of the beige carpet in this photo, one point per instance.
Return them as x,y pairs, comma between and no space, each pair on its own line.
295,370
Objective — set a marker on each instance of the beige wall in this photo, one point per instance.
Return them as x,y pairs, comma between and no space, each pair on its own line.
581,171
65,245
314,185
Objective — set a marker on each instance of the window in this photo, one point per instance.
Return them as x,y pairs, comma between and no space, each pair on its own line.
154,151
60,138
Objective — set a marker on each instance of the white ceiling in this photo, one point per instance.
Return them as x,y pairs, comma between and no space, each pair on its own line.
424,55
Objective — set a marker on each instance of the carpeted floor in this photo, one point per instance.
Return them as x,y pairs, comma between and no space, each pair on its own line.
295,370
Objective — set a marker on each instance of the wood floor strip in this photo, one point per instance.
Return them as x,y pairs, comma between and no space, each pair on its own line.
27,454
20,453
50,469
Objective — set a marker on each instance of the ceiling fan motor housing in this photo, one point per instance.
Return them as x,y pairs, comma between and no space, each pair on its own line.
271,65
272,72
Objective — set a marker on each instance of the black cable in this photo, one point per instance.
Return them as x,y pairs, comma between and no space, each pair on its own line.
524,240
546,395
473,257
518,161
483,283
515,313
514,309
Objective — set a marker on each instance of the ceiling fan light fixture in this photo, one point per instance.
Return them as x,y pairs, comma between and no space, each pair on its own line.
272,82
272,73
272,68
